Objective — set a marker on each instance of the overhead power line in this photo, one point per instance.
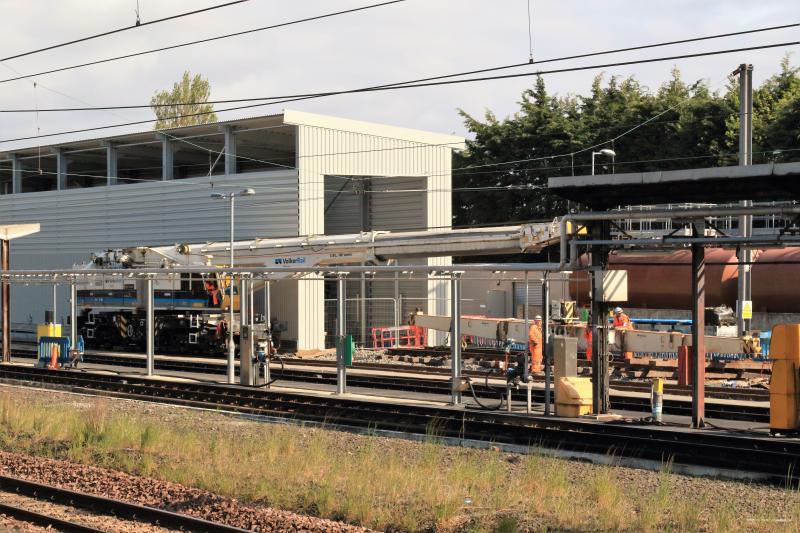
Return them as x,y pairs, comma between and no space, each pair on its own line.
207,40
408,85
120,30
419,80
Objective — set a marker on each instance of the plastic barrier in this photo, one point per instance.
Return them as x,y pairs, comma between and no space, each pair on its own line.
63,346
408,336
46,346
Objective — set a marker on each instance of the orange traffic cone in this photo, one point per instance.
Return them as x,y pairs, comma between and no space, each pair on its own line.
53,357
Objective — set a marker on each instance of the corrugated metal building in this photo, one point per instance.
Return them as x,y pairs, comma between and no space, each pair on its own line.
312,174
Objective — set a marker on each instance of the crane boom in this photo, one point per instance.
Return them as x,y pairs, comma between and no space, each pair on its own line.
373,247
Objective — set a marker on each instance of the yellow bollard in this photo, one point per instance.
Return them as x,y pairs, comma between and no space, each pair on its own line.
657,399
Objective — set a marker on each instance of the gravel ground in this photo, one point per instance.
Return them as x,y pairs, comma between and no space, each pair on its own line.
170,496
80,516
750,499
9,524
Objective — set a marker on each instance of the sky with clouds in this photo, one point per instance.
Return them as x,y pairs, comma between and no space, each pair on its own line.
408,40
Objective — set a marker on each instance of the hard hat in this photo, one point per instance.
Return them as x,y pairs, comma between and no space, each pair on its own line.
537,317
617,310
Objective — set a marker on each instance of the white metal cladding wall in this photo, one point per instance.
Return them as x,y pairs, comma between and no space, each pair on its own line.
155,213
76,222
324,151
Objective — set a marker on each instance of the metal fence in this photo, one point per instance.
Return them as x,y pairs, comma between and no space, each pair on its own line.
363,315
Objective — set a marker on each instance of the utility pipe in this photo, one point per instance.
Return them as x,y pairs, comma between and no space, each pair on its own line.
473,267
594,216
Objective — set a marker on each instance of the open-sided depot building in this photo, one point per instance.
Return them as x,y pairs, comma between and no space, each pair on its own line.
310,173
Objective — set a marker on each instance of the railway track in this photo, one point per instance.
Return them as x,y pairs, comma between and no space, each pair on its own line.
770,458
326,376
177,365
97,505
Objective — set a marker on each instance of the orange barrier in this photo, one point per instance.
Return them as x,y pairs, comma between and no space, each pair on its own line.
408,336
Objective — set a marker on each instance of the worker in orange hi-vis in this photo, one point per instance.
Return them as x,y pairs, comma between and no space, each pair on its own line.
535,344
622,321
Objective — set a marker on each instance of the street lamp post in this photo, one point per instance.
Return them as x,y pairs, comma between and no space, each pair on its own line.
231,344
605,151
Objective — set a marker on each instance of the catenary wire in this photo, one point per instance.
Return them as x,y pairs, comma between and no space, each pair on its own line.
209,39
120,30
433,78
181,182
418,85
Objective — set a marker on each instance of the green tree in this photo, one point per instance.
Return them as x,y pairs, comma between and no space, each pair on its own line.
187,97
502,175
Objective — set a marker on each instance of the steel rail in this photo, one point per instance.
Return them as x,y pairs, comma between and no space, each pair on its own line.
769,458
46,521
399,382
108,506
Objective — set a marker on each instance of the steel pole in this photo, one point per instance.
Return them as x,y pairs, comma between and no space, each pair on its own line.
341,370
398,308
251,302
599,325
546,341
455,338
698,335
593,163
6,290
55,303
526,371
363,309
245,331
73,314
268,312
150,325
231,343
745,159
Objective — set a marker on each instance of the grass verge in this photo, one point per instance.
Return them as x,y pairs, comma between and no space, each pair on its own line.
369,480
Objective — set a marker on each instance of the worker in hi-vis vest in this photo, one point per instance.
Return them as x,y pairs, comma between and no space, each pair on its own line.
535,344
622,321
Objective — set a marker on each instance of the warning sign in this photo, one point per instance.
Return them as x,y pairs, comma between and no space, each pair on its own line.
746,309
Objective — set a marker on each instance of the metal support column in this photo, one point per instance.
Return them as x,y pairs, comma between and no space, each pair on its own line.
526,371
341,316
16,174
150,326
73,314
167,158
745,254
251,304
698,334
363,309
111,163
600,356
231,342
455,337
246,371
61,169
268,308
398,308
6,292
546,342
230,150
